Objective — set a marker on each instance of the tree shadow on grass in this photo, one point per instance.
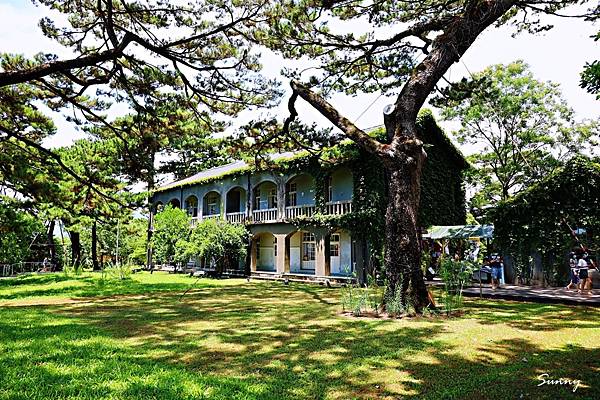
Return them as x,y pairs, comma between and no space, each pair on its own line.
534,316
272,342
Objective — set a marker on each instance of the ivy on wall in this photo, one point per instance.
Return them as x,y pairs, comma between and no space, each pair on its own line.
534,220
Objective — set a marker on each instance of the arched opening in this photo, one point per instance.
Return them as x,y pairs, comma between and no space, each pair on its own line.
191,206
235,200
211,204
175,203
300,191
265,247
264,196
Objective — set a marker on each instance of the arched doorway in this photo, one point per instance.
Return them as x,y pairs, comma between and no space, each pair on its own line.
191,206
211,204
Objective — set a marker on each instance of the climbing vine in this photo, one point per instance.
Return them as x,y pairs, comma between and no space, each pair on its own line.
534,223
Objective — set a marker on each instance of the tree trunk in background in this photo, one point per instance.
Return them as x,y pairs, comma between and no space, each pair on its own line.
56,266
402,247
75,249
95,247
150,188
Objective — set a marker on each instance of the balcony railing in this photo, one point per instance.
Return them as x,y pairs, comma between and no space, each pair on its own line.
236,217
299,211
266,215
338,207
271,214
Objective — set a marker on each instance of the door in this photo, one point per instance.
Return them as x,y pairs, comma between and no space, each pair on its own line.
334,253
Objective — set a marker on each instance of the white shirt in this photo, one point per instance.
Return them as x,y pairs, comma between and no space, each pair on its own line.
582,263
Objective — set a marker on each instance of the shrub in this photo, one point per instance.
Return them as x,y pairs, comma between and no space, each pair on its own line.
455,275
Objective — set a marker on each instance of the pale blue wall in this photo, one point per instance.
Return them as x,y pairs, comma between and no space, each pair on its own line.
305,184
305,189
341,181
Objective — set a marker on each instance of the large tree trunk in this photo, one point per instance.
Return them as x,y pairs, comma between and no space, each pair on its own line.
95,247
402,246
75,249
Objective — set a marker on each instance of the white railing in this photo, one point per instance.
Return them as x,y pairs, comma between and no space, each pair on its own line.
308,265
339,207
195,221
236,217
214,216
299,211
269,214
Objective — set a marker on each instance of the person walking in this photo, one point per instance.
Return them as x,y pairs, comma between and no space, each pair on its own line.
584,276
574,272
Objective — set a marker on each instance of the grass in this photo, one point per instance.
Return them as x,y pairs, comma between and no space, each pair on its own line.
81,338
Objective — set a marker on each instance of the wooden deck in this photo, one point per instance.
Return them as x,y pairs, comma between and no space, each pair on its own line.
536,294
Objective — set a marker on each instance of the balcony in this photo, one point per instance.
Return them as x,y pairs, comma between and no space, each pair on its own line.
236,217
266,215
338,207
299,211
272,215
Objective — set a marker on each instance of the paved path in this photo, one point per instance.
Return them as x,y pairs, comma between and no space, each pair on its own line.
536,295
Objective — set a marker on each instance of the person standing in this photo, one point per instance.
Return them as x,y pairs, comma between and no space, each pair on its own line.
584,276
496,265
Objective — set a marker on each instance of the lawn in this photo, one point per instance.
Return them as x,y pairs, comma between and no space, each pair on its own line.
85,338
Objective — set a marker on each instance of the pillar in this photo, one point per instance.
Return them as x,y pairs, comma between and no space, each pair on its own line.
322,257
280,199
282,261
253,255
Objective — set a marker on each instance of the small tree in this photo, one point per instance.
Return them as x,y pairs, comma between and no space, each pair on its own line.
171,225
218,241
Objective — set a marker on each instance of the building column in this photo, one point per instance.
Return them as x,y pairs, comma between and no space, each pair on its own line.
282,261
322,257
253,255
281,199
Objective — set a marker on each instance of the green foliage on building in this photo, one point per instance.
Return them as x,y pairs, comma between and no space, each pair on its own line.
536,219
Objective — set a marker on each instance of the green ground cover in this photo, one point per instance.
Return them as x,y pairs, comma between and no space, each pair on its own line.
85,338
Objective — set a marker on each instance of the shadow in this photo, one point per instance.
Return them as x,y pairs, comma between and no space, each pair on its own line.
270,341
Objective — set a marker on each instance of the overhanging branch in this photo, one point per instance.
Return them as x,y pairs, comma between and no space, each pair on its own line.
343,123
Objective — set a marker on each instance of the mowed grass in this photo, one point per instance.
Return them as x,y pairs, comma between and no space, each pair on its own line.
80,338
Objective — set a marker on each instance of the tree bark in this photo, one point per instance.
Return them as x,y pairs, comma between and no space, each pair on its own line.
52,247
402,246
95,247
75,249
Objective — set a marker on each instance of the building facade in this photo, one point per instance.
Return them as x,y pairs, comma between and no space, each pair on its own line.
314,219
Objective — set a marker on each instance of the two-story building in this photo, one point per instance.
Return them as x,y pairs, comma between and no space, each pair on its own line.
309,219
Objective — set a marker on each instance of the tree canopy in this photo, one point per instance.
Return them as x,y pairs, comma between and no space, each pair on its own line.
522,128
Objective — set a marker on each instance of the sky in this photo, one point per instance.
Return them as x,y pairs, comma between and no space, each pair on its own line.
558,56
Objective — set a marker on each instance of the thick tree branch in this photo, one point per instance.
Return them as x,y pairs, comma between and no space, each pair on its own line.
60,162
346,126
447,49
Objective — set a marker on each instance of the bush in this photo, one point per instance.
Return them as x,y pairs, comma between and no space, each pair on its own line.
455,275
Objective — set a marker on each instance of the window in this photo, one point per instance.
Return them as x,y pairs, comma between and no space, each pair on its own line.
272,199
308,246
334,245
258,249
292,197
329,190
275,247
